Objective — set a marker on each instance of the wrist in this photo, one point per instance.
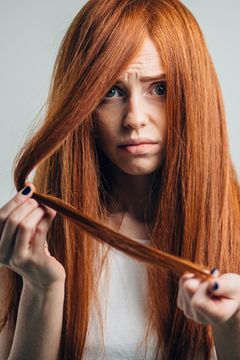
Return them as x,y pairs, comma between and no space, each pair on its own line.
230,325
57,286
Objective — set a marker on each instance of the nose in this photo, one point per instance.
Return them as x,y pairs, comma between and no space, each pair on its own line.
136,116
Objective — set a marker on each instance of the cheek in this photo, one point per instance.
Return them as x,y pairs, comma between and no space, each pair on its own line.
108,124
110,112
106,137
106,133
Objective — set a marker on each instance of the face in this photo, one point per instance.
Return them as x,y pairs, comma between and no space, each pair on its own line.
131,121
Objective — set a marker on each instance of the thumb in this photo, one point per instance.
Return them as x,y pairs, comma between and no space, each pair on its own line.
227,285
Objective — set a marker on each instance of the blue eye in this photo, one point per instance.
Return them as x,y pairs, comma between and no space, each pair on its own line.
161,89
112,92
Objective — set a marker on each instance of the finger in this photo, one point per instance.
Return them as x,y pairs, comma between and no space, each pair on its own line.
39,244
213,309
188,284
226,285
183,303
215,272
184,277
187,308
10,228
29,183
48,209
25,233
180,299
14,203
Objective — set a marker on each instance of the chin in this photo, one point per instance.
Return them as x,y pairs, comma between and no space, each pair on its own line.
134,167
139,170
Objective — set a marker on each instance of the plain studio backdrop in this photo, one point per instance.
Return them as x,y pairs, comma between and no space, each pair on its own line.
30,34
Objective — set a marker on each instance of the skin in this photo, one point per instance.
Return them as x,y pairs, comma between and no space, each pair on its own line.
219,308
23,246
134,109
24,224
138,112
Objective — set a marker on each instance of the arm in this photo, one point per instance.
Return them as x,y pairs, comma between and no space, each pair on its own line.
24,225
227,339
39,324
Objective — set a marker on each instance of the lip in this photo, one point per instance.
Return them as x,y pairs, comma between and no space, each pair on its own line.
141,149
137,141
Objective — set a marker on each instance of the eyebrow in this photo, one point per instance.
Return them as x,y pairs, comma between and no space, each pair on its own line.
148,78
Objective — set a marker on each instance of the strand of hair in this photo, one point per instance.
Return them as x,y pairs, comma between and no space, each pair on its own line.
142,252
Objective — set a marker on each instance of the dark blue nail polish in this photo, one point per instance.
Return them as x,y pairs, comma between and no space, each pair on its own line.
213,270
26,190
215,286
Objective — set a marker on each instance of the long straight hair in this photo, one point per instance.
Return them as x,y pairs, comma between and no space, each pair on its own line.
198,195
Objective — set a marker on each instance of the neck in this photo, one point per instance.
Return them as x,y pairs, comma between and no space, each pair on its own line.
132,194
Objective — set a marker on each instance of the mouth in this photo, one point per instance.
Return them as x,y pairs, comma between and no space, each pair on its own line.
141,148
135,142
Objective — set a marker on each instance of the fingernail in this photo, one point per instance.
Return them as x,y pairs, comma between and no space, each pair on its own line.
26,190
214,271
215,286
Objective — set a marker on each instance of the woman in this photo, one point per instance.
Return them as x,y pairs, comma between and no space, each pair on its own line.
135,137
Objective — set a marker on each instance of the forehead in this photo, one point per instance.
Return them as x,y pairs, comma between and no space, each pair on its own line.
146,63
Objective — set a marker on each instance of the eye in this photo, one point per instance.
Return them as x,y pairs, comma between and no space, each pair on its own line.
161,88
111,93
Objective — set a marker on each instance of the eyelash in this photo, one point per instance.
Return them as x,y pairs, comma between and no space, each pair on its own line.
120,90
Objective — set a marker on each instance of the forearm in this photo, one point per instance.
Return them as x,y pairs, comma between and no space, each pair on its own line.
227,340
39,324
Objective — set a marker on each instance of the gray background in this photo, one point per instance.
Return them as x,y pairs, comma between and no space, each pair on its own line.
30,33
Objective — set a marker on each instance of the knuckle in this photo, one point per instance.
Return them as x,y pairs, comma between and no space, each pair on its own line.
19,260
32,202
12,220
41,211
16,261
18,199
40,230
25,227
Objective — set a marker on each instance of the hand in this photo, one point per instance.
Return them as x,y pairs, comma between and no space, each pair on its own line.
24,224
214,301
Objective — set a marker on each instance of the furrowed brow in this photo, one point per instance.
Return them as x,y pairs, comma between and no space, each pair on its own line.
147,78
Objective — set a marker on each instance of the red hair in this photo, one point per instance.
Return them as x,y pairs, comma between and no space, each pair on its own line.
197,191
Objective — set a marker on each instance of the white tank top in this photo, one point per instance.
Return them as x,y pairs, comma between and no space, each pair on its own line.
123,305
124,311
